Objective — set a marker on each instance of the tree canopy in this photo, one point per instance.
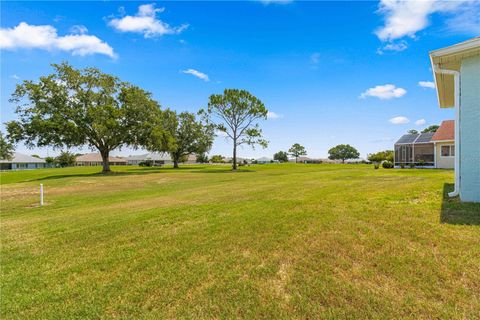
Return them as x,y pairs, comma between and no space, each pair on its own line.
412,131
343,152
297,150
6,148
189,136
432,128
77,107
65,159
217,158
380,156
236,113
281,156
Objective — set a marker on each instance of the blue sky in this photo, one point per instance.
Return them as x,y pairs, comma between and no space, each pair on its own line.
329,72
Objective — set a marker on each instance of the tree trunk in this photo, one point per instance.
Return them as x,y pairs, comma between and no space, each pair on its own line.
106,165
343,160
175,163
234,167
296,159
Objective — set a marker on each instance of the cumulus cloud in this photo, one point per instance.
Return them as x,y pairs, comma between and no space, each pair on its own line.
420,122
384,92
399,120
145,21
15,77
406,18
78,29
197,74
25,36
427,84
273,115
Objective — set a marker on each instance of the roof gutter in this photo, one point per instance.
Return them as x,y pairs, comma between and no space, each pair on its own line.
456,80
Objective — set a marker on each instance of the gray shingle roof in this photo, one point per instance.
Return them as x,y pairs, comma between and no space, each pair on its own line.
22,158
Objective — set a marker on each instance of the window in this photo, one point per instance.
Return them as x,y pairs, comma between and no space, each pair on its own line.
448,151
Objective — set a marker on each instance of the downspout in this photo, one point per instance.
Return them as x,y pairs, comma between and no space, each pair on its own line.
456,81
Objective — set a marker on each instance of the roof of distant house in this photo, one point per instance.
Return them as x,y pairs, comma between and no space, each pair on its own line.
155,156
23,158
96,157
446,131
264,159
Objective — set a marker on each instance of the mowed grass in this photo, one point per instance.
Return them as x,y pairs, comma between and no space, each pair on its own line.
272,242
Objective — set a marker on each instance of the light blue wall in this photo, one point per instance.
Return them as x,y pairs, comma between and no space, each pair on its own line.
470,129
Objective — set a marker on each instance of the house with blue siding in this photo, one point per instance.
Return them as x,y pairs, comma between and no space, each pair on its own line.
456,71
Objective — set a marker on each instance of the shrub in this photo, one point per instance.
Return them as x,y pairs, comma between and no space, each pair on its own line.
387,165
146,163
411,165
402,165
376,165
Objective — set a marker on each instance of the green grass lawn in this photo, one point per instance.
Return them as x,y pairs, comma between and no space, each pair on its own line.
271,242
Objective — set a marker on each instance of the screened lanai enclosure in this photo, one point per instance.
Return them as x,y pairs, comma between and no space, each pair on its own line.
415,149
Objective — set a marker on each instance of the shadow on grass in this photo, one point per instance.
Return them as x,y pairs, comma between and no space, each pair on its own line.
456,212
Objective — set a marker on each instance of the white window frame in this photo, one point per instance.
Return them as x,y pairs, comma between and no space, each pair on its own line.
451,149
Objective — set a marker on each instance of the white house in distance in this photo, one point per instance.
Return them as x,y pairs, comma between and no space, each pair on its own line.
95,159
456,70
156,158
22,161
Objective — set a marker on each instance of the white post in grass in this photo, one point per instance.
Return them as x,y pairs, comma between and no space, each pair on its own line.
41,194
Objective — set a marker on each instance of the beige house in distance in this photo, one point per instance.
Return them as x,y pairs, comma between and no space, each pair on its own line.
95,159
444,142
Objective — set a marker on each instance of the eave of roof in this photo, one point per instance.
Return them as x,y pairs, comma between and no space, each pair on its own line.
450,58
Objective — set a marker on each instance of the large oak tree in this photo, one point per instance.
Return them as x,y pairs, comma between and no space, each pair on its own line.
77,107
189,136
343,152
236,113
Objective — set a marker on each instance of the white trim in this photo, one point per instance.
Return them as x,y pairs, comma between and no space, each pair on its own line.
456,48
456,79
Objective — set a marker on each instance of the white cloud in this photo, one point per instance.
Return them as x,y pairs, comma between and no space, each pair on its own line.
267,2
397,47
399,120
384,92
427,84
420,122
466,20
25,36
406,18
78,29
145,21
273,115
15,77
197,74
